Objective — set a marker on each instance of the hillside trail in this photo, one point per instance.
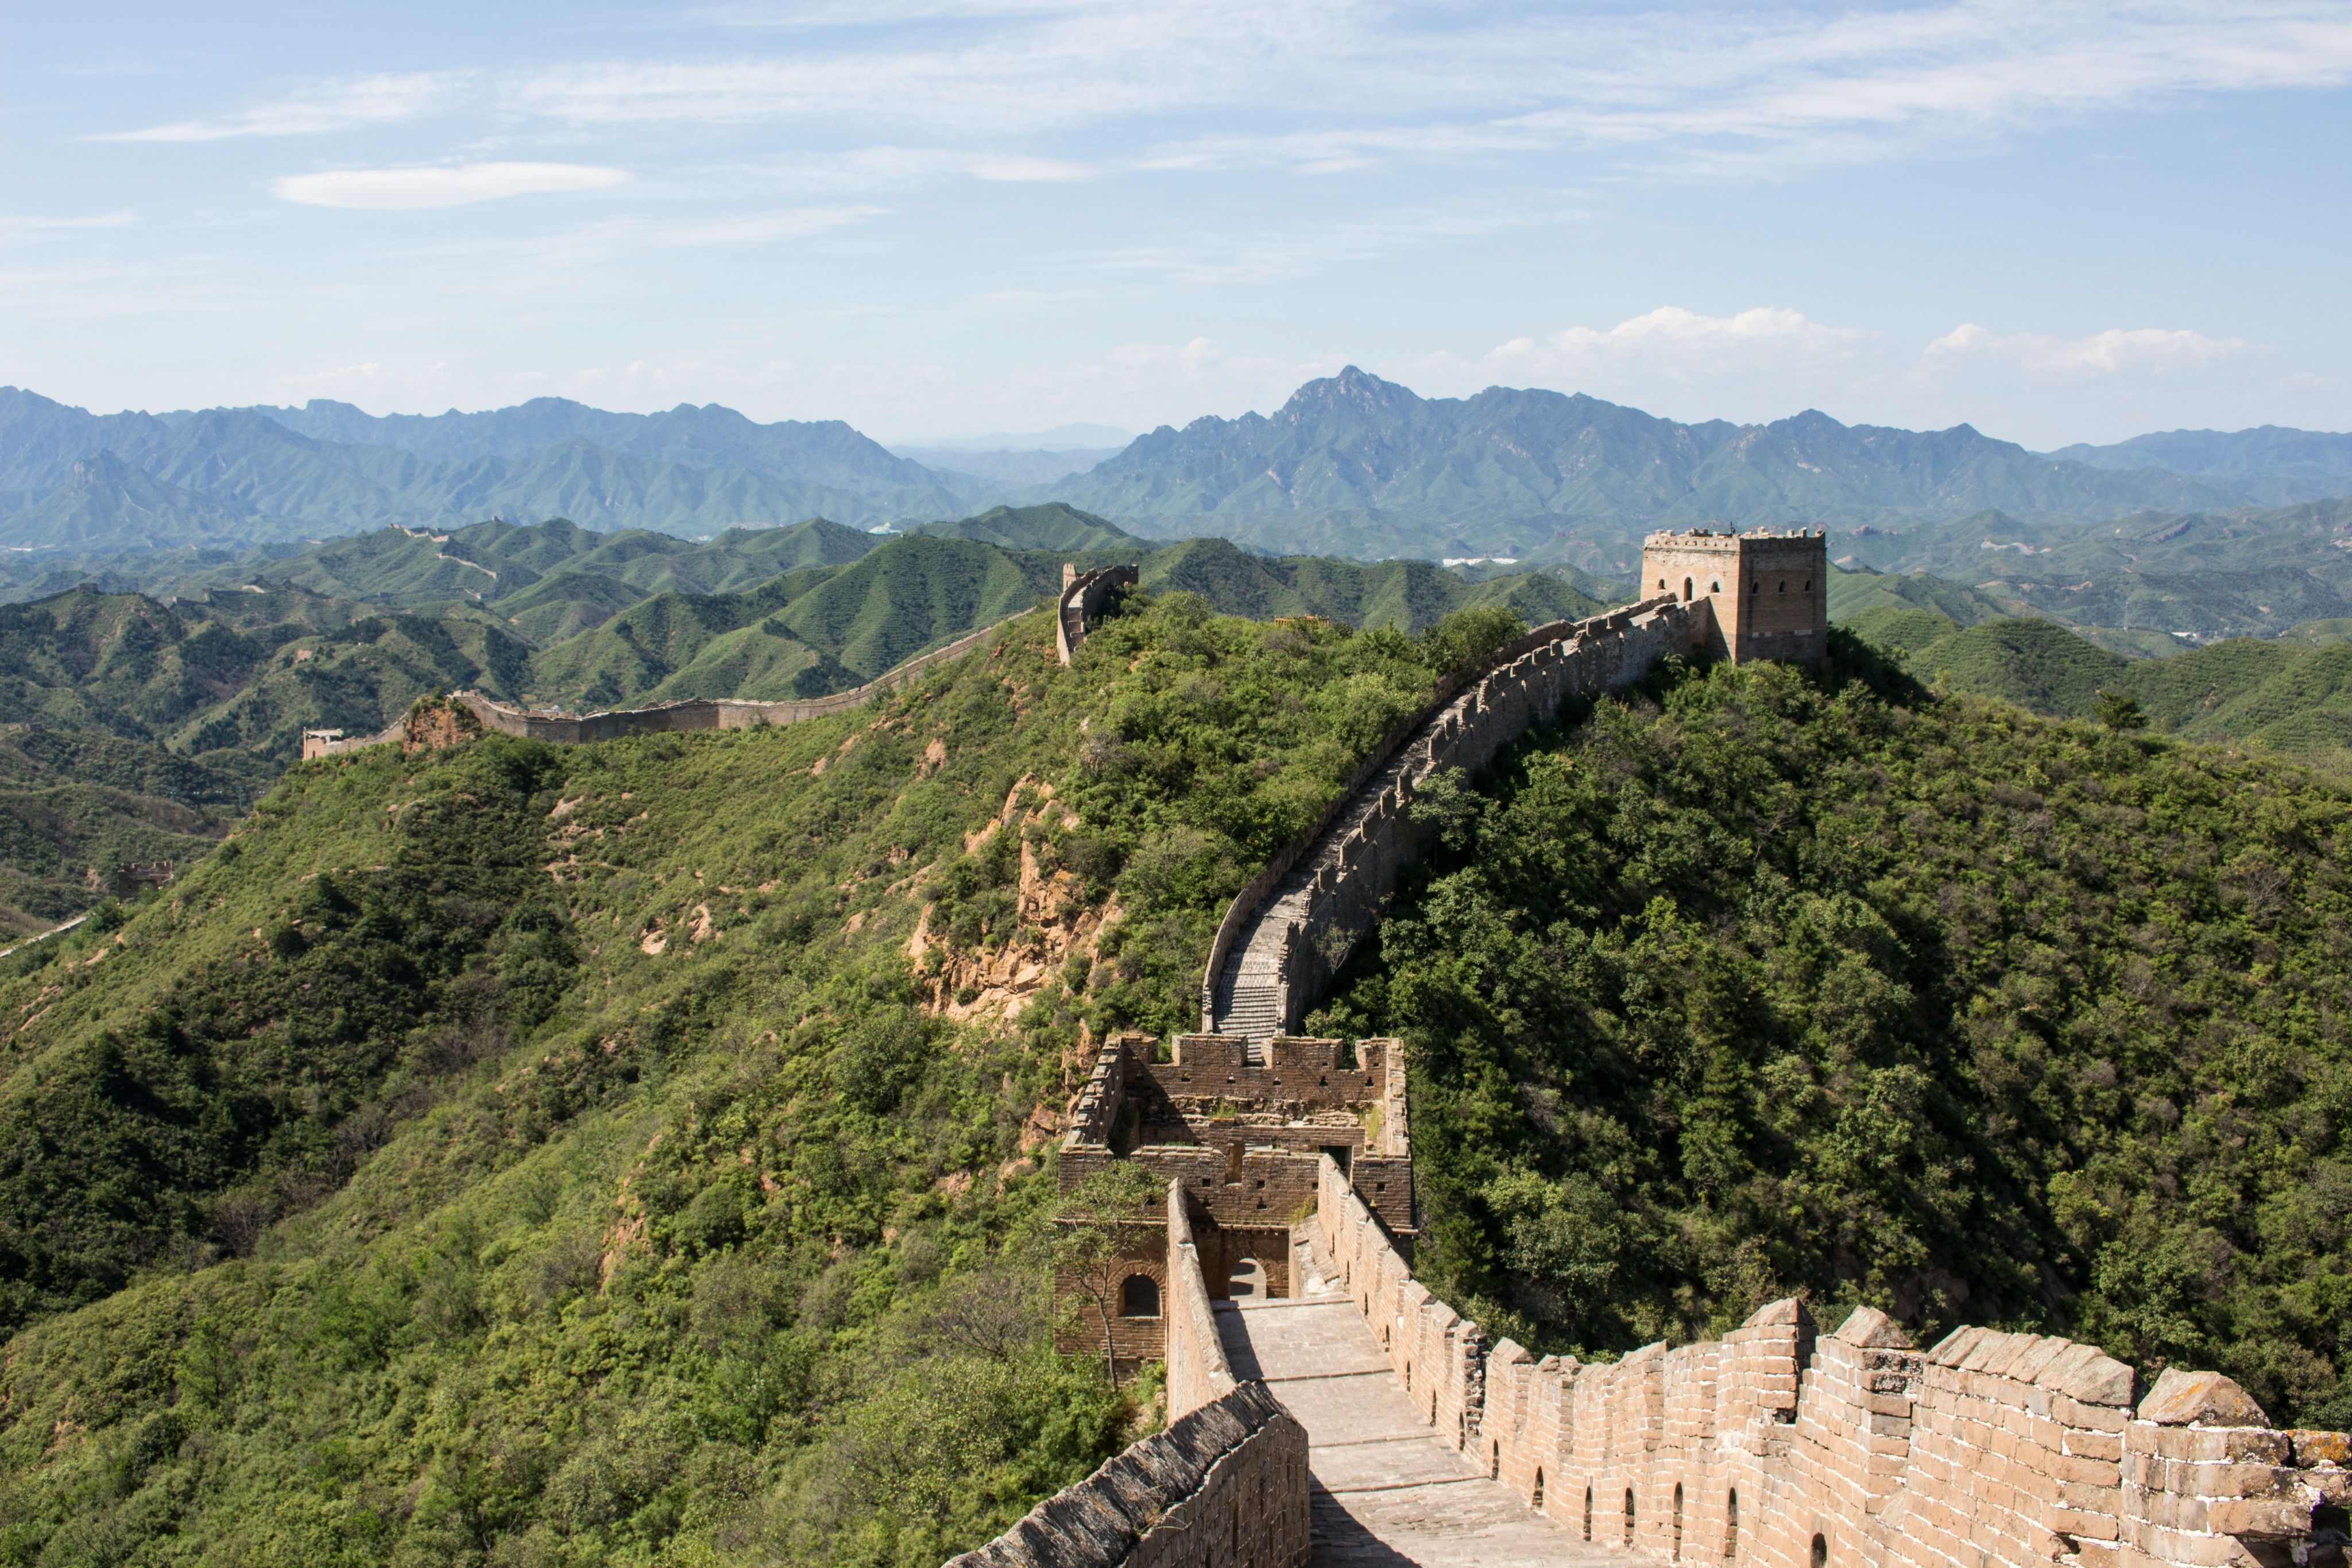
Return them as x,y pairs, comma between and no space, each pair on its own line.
1386,1492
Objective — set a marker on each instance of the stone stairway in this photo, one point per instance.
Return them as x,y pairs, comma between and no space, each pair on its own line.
1385,1492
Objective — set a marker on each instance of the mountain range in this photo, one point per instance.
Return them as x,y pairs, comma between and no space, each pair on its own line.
1350,464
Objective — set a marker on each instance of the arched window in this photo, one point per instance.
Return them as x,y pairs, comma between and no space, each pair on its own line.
1784,585
1808,585
1588,1513
1755,588
1687,590
1629,1519
1731,1525
1821,1552
1674,1547
1539,1496
1138,1297
1662,582
1715,587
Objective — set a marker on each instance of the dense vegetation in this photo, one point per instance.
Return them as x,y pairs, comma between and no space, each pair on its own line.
544,1155
2288,696
1768,985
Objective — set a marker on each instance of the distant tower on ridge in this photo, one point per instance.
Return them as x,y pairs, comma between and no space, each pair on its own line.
1769,589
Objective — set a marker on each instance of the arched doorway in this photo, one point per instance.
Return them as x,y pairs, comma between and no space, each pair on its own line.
1248,1280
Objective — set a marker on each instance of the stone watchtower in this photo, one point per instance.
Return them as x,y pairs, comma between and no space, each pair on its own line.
1769,589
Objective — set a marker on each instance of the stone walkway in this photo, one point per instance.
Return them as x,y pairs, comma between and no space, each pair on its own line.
1387,1493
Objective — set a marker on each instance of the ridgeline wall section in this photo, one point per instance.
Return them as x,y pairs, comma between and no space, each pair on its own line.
1294,925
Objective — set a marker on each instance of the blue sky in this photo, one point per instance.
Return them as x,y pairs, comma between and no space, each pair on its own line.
930,217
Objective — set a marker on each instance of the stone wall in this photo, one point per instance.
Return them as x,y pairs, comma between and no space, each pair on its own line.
1084,594
705,713
1225,1486
1198,1373
1788,1448
1296,922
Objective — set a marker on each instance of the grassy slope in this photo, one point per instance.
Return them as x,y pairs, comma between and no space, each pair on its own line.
546,1154
1931,1004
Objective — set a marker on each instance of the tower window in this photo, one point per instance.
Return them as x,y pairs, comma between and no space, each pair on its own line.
1808,585
1662,582
1686,589
1715,587
1138,1297
1784,586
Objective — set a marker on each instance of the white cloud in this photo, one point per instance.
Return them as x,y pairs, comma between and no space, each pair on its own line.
2147,351
339,105
1306,250
1332,85
446,186
1670,341
17,224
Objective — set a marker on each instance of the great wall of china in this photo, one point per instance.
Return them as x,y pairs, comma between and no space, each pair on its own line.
1079,605
1324,1405
1280,1280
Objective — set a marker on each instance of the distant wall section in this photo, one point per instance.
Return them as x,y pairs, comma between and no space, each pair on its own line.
1084,594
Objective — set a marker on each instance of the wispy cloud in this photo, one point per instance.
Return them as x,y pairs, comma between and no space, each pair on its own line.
1337,85
450,186
1677,343
1308,249
339,105
23,224
2142,351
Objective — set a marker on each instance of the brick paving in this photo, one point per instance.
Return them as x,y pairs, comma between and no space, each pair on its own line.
1386,1493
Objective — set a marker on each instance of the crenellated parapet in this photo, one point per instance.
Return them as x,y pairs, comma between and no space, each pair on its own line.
1786,1447
1294,926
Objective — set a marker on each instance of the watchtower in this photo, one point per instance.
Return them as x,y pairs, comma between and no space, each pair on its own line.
1769,589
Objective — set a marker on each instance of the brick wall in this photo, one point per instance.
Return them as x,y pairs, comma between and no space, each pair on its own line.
1990,1450
1225,1486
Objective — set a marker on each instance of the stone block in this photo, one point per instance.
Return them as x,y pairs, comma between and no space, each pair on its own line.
2202,1398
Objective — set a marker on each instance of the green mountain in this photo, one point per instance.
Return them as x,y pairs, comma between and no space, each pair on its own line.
1770,985
108,501
547,1153
2288,696
277,484
2203,575
77,804
1052,526
2271,466
1510,472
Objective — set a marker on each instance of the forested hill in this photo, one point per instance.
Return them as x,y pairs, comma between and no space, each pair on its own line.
632,1152
1765,987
